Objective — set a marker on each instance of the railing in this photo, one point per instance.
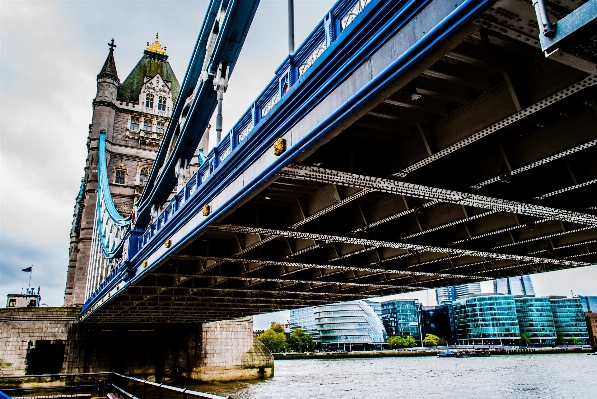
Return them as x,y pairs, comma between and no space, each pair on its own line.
295,69
97,384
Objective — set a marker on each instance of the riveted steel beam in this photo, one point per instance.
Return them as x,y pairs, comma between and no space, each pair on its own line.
388,244
416,190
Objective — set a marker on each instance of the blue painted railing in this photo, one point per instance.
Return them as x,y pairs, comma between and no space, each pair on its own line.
294,70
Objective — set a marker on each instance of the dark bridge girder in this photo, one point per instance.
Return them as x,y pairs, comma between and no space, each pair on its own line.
479,166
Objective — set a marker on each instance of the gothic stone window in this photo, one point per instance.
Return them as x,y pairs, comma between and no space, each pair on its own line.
160,127
149,101
161,103
147,124
143,175
134,123
119,176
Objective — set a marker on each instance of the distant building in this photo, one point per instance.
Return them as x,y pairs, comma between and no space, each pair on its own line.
351,325
29,299
517,285
439,320
305,318
452,293
569,319
589,303
486,319
400,318
591,319
535,318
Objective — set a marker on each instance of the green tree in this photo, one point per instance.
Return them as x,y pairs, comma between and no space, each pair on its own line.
274,341
300,341
431,340
560,339
401,342
525,339
573,341
277,327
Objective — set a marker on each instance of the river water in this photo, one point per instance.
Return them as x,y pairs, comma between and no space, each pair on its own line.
519,376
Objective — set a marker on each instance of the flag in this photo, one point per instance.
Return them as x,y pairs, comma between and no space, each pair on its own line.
28,269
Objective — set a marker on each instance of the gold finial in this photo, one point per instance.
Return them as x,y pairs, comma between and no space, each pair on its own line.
156,47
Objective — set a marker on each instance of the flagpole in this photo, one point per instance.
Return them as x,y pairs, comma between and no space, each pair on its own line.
30,276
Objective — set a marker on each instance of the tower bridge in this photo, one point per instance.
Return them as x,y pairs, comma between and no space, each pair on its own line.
404,145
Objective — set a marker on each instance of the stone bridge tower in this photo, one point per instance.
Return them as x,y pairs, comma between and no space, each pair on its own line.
134,114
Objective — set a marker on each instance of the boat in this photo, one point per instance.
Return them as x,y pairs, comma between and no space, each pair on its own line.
446,353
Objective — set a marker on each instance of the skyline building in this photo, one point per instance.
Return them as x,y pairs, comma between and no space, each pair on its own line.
486,319
445,295
400,317
350,325
589,303
569,318
439,321
535,318
517,285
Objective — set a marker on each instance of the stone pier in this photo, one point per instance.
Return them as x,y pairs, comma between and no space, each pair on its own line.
49,341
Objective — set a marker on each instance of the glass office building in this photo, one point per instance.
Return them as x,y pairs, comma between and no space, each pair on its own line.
400,317
486,319
305,318
535,318
350,326
439,320
589,303
517,285
569,318
448,294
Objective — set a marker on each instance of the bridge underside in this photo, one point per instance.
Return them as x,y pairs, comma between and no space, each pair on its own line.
480,165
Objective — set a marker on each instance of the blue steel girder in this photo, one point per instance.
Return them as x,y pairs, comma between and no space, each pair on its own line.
578,21
354,45
222,35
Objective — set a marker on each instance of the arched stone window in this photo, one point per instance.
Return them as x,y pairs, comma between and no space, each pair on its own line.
161,103
147,125
149,100
134,123
143,175
119,176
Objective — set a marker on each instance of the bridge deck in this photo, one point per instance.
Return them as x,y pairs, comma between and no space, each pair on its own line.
473,162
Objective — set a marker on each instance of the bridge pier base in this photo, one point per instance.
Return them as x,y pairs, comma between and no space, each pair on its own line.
49,341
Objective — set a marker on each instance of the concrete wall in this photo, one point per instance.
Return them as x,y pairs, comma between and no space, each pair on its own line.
49,341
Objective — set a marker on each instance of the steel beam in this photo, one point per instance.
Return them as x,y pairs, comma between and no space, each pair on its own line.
431,193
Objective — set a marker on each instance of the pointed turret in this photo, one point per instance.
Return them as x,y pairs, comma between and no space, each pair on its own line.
109,68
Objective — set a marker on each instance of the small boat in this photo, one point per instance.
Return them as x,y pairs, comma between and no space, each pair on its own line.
446,353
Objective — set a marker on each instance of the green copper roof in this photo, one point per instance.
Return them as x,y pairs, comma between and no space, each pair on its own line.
150,65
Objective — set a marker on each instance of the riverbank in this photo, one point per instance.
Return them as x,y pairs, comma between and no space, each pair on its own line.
412,353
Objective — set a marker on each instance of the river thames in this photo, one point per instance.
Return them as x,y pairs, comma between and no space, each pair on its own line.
519,376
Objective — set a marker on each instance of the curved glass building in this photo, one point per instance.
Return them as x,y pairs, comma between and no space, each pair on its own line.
486,319
569,318
535,318
349,325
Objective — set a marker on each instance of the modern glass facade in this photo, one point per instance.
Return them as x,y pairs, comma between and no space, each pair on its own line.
400,318
518,285
305,318
486,319
589,303
535,318
452,293
352,323
439,320
569,319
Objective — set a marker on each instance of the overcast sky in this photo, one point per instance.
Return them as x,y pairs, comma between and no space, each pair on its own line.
50,54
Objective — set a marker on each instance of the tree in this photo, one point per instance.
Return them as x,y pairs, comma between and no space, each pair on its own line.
525,339
300,341
573,341
277,327
273,340
432,340
401,342
560,339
